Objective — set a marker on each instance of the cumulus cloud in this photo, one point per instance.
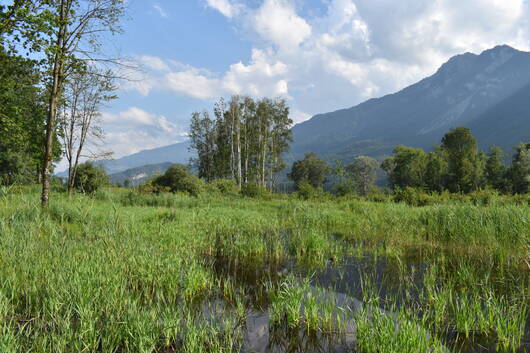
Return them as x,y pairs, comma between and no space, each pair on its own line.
262,76
352,51
135,129
276,21
226,7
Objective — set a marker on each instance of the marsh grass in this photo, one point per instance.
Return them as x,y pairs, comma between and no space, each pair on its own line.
126,272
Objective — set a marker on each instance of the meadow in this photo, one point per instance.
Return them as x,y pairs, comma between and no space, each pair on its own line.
122,271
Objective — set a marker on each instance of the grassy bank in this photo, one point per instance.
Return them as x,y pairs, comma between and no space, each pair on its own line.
125,272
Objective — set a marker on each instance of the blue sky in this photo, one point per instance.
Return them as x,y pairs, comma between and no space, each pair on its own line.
321,55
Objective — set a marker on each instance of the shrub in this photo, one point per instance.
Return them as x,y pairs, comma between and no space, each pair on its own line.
89,178
376,195
344,187
254,190
225,186
307,192
484,197
413,196
178,179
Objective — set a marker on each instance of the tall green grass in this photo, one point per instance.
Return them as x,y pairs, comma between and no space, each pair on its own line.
126,272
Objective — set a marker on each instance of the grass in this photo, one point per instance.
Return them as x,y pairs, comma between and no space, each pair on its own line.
126,272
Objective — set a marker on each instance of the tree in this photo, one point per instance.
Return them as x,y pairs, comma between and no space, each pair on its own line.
85,92
406,168
76,27
311,169
519,172
436,170
89,178
202,138
363,170
343,182
22,119
495,170
462,158
178,179
245,142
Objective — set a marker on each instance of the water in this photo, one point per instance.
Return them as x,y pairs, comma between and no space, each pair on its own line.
346,282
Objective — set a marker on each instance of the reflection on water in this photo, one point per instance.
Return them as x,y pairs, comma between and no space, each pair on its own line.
346,280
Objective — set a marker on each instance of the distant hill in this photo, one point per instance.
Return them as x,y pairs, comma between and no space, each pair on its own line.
490,93
176,153
139,174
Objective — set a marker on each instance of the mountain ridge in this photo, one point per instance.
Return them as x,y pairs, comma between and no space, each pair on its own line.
485,92
460,91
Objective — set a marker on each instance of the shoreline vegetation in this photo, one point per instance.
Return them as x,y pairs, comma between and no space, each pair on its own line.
122,270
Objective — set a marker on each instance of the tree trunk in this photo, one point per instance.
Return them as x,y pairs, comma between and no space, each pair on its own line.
238,151
52,109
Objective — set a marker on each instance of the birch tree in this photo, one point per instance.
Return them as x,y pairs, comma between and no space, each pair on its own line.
86,91
77,29
250,137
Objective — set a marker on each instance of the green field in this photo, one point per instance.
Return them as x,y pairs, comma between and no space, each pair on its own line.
126,272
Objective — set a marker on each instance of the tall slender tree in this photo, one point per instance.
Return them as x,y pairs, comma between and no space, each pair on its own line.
85,92
249,138
77,27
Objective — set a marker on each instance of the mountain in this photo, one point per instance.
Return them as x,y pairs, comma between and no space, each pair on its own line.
489,93
139,174
176,153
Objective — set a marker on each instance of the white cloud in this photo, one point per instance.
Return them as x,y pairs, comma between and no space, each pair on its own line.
135,129
193,84
160,11
262,76
153,63
227,8
277,22
354,50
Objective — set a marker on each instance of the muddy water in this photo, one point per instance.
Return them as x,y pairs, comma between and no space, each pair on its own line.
346,282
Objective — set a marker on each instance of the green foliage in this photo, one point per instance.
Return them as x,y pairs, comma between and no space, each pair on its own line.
462,160
495,170
245,141
519,173
89,178
343,182
344,186
307,191
406,168
226,187
311,169
180,273
178,179
413,196
16,168
22,120
456,166
436,169
255,190
363,171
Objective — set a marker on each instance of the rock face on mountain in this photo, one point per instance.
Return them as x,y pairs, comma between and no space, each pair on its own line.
490,93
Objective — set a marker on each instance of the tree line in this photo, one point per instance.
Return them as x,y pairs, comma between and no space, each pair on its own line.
456,165
52,84
244,141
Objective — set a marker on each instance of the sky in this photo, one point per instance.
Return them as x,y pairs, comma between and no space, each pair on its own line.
320,55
